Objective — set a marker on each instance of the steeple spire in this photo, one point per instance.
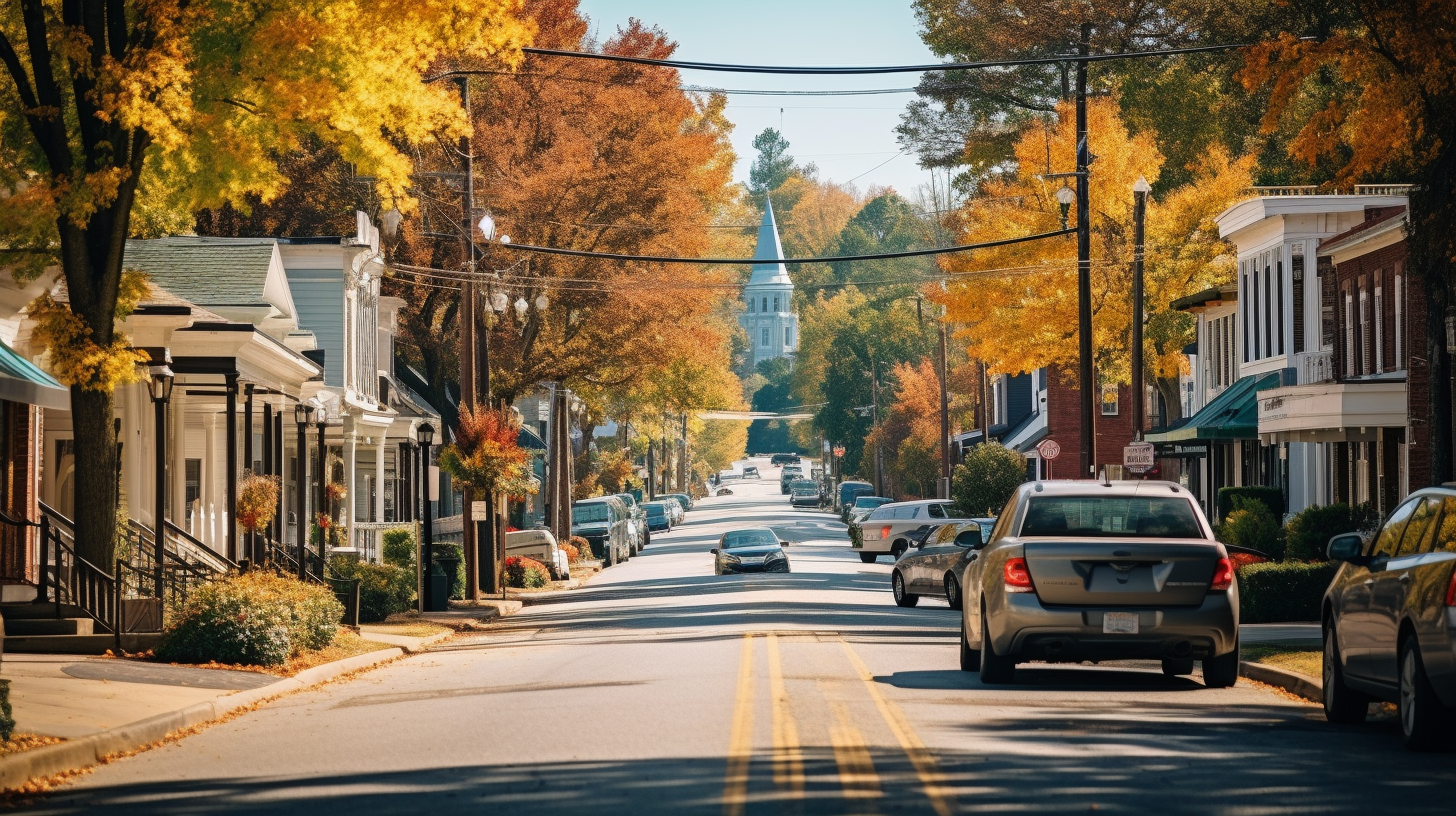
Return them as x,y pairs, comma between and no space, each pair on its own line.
768,248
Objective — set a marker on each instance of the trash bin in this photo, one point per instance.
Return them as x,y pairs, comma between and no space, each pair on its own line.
440,574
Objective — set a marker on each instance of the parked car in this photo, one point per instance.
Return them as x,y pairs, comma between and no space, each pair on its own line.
755,549
864,505
928,566
848,492
883,531
804,493
750,472
681,498
675,512
639,518
658,518
541,546
1081,570
1389,623
602,521
789,474
783,459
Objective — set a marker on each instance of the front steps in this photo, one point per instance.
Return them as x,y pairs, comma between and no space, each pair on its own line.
33,628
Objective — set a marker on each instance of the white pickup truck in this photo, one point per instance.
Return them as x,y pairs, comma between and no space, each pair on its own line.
885,531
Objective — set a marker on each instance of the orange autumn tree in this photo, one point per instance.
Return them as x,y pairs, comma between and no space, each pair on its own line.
909,434
486,455
1016,306
1374,99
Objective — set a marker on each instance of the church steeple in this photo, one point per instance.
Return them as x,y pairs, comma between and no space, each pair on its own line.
768,248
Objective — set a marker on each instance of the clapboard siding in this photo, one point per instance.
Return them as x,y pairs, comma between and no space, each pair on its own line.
318,294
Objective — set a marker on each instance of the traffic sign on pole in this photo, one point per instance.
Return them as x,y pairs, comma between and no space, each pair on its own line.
1138,457
1049,449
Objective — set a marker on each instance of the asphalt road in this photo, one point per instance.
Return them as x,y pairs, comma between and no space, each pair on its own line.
660,688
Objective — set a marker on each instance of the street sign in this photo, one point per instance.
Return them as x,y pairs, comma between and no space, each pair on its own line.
478,509
1049,449
1138,457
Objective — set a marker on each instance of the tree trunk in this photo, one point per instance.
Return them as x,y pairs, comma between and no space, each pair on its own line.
96,475
1432,220
1168,388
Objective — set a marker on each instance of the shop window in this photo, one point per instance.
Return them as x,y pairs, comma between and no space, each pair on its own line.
1109,399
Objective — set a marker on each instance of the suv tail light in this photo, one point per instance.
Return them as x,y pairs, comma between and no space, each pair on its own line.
1018,577
1451,590
1223,576
885,531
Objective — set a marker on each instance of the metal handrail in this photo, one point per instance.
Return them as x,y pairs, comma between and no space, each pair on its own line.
78,582
184,540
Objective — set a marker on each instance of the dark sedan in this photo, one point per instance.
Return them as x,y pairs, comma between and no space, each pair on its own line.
804,493
757,549
657,518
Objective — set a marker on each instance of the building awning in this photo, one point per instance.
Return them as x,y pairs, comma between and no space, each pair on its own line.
1233,414
1331,411
22,381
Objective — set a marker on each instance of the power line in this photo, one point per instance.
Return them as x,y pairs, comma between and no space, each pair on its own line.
826,70
880,256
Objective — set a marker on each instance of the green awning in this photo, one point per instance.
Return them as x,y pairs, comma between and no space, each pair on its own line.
1233,414
21,381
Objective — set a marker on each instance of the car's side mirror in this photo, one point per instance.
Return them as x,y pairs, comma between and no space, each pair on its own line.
1346,547
714,551
970,539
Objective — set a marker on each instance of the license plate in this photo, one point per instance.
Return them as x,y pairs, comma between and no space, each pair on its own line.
750,561
1120,623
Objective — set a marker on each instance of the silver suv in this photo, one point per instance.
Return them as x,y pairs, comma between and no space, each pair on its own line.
1390,620
1099,571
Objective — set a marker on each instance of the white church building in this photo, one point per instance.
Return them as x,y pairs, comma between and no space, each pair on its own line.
769,316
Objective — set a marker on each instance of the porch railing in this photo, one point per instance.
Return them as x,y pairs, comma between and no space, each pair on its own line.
67,579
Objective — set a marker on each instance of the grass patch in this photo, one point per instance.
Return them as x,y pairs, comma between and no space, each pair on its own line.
26,742
419,629
346,644
1294,657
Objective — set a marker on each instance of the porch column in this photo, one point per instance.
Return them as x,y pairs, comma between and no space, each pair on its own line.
379,485
208,490
351,484
280,469
231,480
177,447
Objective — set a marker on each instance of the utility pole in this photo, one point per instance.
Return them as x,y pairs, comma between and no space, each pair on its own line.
472,527
875,426
1140,192
945,464
1085,379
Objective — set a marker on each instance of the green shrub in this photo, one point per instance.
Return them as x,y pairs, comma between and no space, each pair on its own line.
399,548
1310,531
253,619
983,484
1272,497
457,577
1289,591
384,589
7,721
1252,525
526,573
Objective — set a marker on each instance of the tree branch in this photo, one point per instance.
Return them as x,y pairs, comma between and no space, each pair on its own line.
17,72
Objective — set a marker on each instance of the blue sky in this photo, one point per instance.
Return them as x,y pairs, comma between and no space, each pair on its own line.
846,136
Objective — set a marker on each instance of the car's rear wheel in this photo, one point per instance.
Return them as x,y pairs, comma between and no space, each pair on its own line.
902,596
995,669
1222,671
898,549
970,658
952,591
1342,703
1177,666
1423,719
868,558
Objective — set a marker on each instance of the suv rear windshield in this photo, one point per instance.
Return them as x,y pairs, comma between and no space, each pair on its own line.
590,514
1111,517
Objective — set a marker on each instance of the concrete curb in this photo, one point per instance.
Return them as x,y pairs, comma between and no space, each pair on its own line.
411,645
1310,688
74,755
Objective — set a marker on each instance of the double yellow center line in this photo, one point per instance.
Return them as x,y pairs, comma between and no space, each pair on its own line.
857,775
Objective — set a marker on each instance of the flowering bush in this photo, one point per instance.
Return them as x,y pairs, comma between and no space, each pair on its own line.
335,491
257,501
526,573
583,549
1245,559
573,555
253,619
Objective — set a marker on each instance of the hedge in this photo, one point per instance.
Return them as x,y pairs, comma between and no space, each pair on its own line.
1279,592
1272,497
253,619
384,589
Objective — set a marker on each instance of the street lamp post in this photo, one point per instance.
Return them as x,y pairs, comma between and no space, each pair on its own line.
161,388
1084,263
322,423
301,414
1140,190
425,435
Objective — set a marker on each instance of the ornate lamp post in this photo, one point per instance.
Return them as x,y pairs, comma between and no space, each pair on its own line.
322,422
301,414
161,388
425,435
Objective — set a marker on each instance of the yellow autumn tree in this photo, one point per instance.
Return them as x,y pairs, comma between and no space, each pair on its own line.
163,106
1016,306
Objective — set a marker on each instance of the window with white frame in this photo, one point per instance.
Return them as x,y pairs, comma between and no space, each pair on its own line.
1246,296
1349,332
776,303
1379,326
765,341
1296,274
1109,399
750,305
1364,345
1399,321
788,335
